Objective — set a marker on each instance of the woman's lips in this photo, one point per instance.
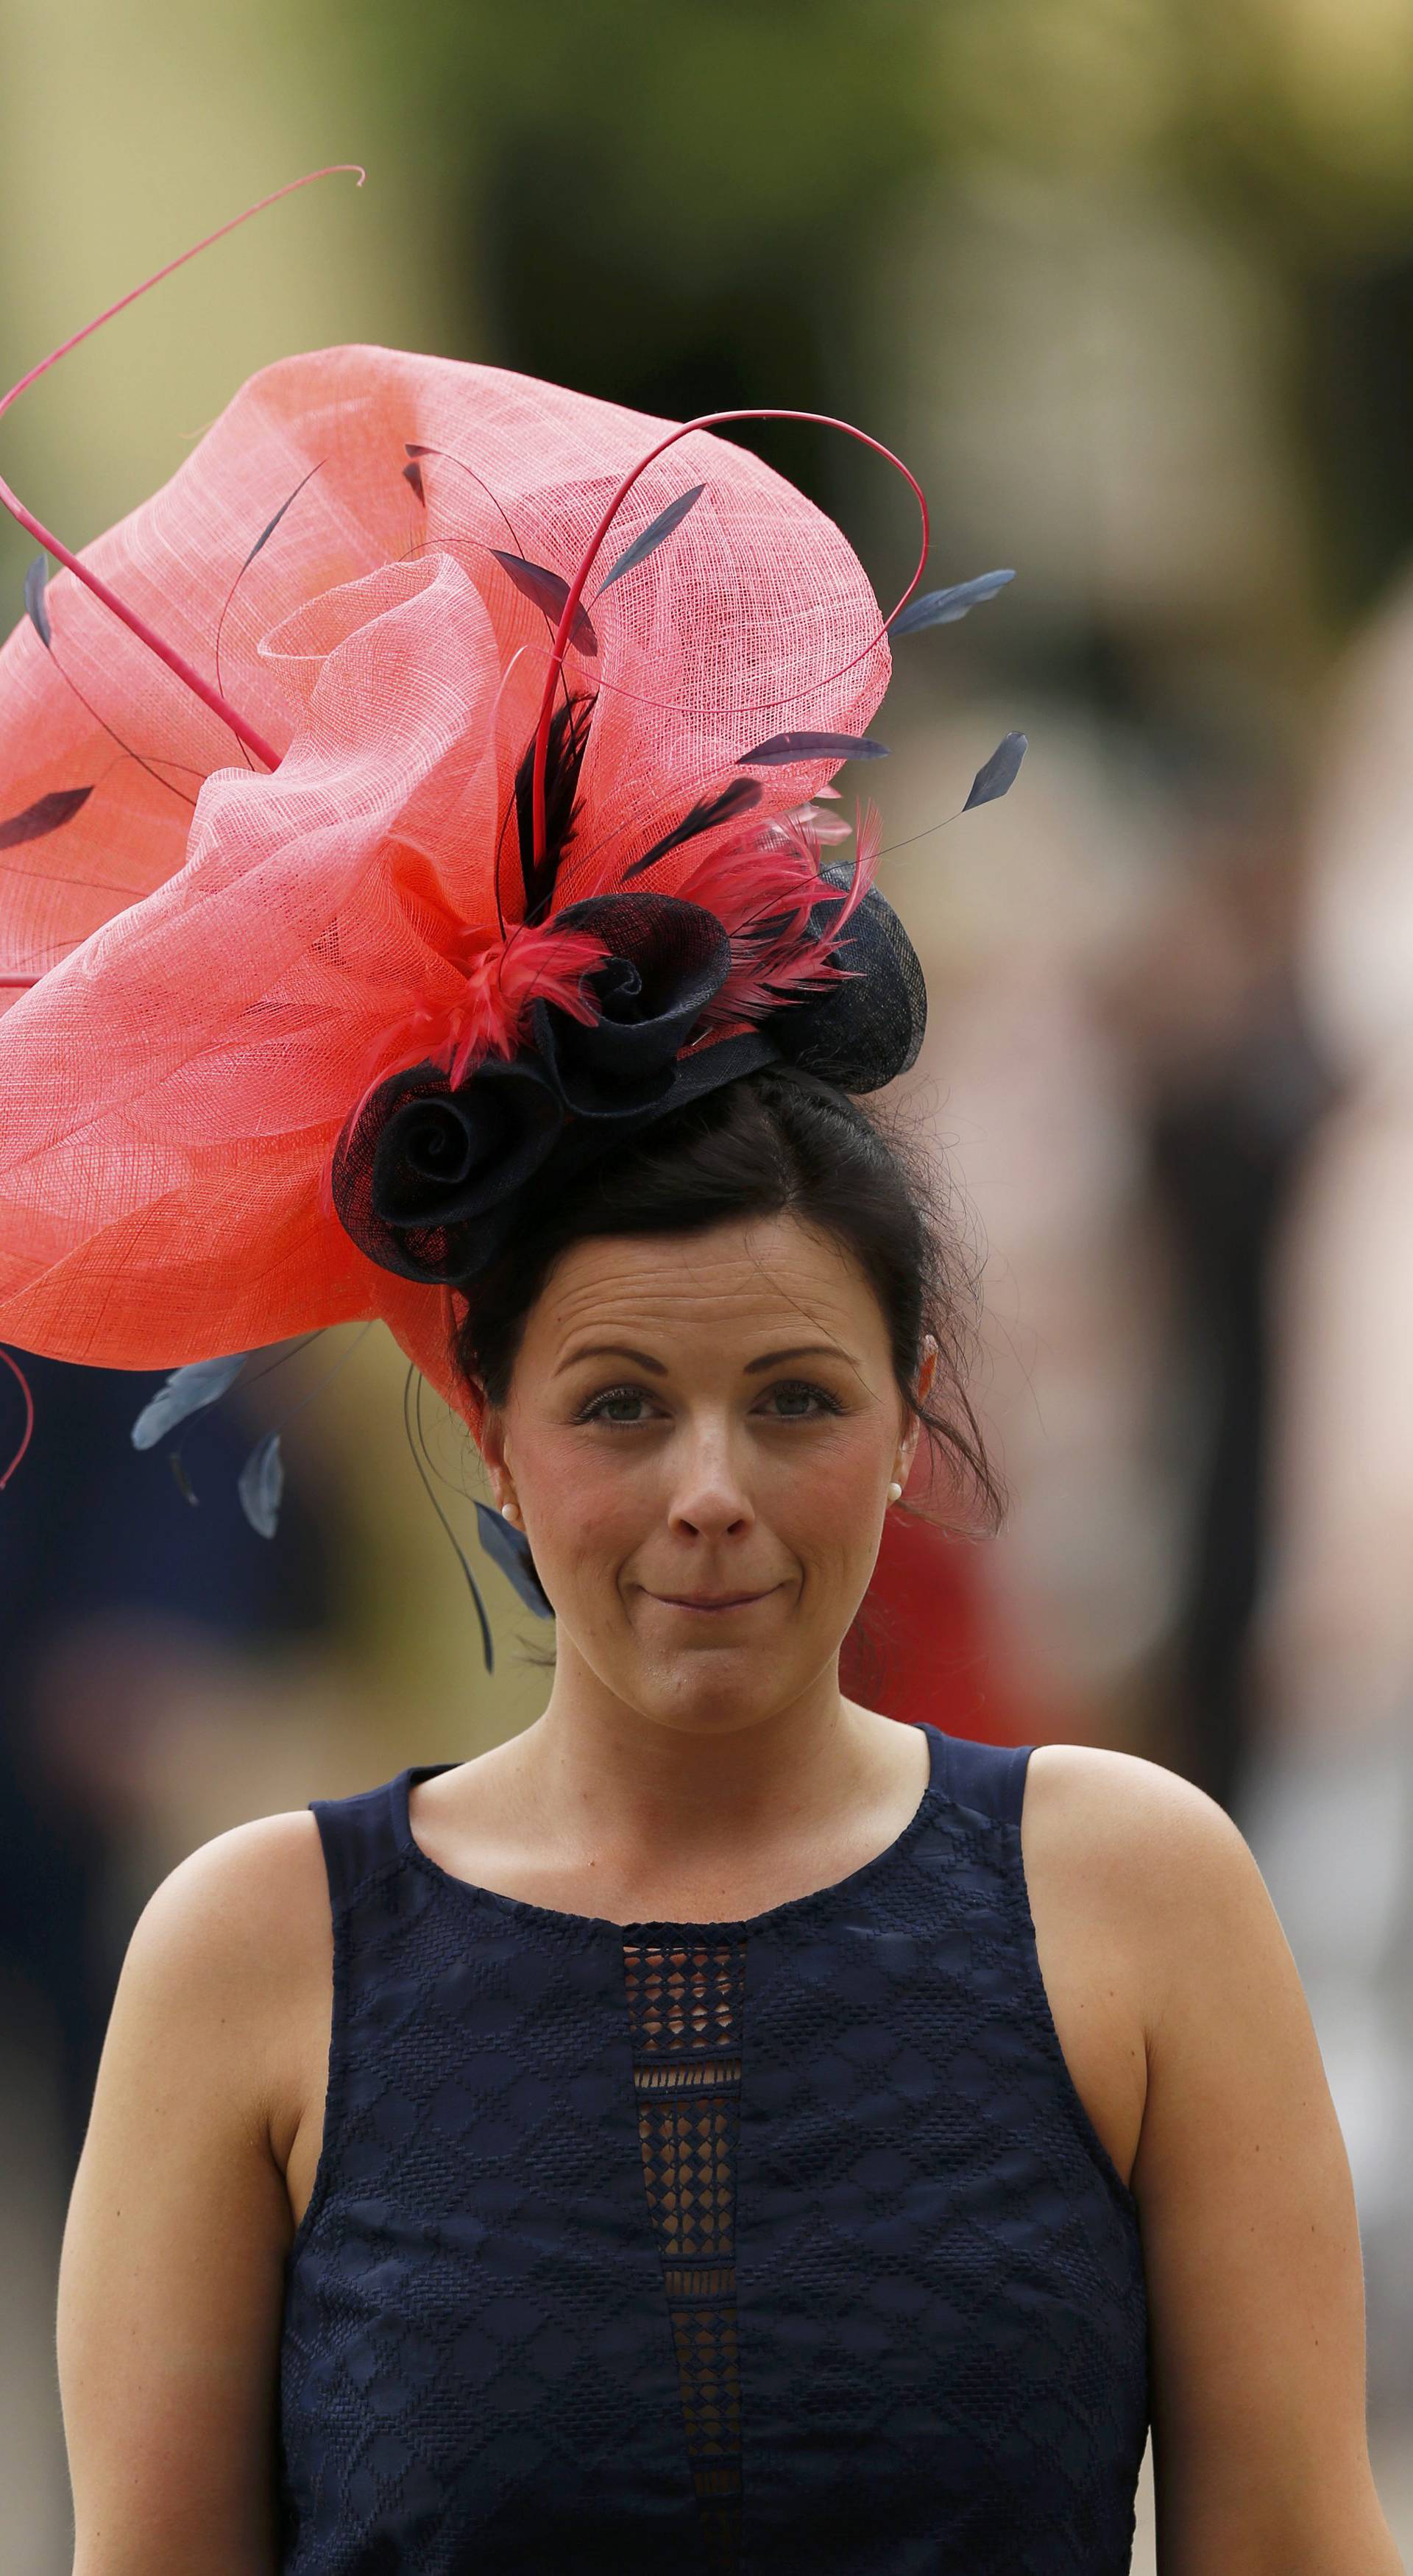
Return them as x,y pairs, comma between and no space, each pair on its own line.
712,1601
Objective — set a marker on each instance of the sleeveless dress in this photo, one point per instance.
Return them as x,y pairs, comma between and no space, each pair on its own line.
725,2249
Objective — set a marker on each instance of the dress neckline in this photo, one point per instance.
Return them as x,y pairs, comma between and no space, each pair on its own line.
709,1927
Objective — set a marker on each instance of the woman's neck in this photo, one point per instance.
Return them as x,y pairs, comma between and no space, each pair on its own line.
600,1809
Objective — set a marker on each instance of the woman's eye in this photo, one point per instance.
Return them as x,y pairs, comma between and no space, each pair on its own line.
621,1405
797,1400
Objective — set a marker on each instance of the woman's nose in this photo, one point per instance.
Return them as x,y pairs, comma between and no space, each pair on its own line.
710,1496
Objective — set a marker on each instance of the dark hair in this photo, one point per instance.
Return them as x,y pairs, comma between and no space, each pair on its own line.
776,1142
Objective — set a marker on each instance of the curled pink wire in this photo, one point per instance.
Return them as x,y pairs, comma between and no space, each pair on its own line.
707,420
138,625
27,1435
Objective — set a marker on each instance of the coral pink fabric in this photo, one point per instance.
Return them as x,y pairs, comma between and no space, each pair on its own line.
227,958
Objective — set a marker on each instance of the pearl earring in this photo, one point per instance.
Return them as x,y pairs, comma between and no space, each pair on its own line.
895,1492
511,1511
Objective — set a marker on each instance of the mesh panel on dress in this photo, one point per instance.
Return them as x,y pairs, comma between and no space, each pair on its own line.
684,2010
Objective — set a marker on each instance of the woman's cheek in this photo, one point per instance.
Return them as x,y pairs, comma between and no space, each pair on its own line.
826,1506
581,1500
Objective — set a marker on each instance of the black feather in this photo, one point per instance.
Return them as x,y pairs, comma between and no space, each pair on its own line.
270,526
261,1484
510,1550
568,740
188,1390
549,591
653,535
998,773
944,607
488,1651
738,798
58,807
36,583
783,748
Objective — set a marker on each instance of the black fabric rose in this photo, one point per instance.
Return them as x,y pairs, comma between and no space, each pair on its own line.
430,1182
426,1179
667,959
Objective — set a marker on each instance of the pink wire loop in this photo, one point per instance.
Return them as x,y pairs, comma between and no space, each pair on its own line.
175,661
17,1371
707,420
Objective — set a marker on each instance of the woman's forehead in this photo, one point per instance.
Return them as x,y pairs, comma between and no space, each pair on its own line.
772,1276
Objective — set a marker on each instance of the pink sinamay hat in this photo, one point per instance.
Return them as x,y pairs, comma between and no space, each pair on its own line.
410,799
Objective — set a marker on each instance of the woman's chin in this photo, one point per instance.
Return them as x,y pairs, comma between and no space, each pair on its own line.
721,1689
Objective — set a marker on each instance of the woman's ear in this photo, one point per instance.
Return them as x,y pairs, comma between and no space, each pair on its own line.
912,1427
495,1457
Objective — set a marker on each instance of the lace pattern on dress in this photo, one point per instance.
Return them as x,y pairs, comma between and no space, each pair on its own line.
684,2009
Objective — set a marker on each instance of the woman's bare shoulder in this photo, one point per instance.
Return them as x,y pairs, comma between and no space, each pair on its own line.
1144,1843
236,1942
1126,1809
1096,1781
234,1900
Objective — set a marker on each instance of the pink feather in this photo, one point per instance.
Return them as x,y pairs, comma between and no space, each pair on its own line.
536,963
490,1014
763,891
868,834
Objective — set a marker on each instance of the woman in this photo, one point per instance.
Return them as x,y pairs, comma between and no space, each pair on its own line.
720,2126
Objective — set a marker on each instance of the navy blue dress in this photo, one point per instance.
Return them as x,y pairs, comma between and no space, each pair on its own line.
726,2248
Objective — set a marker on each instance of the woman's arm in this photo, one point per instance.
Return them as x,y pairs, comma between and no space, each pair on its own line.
171,2280
1251,2247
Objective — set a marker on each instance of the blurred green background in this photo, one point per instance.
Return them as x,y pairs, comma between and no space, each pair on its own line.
1130,284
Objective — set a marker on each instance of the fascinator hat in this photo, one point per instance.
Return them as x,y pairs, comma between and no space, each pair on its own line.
426,790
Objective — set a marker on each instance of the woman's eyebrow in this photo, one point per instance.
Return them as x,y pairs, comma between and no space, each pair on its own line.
801,1351
612,1351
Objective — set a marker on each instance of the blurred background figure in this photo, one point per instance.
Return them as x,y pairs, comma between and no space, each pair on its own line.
1332,1812
117,1610
1133,292
137,1626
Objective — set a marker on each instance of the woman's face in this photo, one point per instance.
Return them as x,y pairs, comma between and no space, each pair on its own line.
699,1435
